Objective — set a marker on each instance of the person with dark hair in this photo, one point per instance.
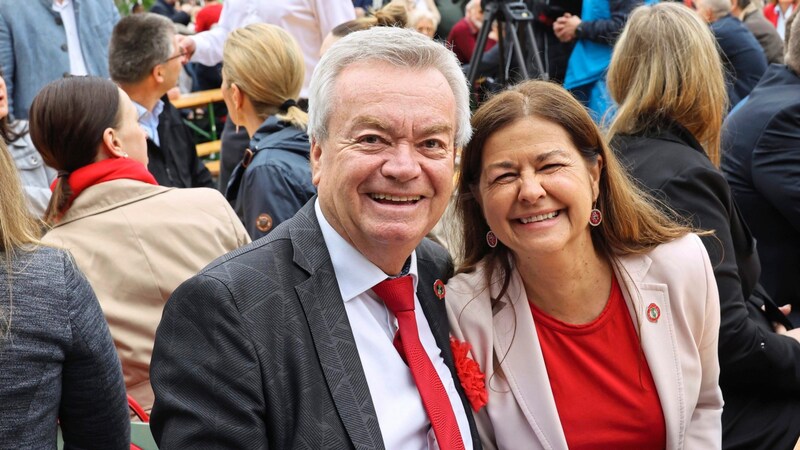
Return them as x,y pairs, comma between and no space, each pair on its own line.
49,39
668,81
753,18
576,290
135,241
33,172
145,61
58,361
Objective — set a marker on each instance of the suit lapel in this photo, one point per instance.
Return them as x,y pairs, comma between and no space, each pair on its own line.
516,345
436,314
330,330
657,338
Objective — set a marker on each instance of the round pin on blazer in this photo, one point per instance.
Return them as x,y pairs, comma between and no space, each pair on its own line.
653,312
438,289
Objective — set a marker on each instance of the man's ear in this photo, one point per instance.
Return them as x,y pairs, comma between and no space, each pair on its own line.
316,161
158,73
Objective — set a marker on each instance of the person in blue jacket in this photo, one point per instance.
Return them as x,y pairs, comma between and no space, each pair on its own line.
594,33
261,80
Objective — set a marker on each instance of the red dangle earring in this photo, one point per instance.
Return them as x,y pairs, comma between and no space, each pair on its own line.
595,217
491,239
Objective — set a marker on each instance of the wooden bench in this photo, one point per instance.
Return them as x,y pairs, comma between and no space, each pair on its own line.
212,147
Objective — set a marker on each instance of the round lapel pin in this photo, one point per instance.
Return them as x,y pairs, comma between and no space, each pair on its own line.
653,312
438,289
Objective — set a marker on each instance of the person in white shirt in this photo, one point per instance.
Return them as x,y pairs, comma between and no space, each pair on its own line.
331,331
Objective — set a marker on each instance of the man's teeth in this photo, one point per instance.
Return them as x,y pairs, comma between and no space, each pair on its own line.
395,198
539,218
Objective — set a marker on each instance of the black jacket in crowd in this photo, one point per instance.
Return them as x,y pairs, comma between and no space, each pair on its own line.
174,162
759,369
761,160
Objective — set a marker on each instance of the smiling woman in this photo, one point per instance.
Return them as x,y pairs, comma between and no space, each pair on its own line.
563,255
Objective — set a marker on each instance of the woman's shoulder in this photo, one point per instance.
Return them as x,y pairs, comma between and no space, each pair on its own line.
469,291
684,258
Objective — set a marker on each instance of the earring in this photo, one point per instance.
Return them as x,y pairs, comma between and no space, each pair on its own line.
596,216
491,239
124,155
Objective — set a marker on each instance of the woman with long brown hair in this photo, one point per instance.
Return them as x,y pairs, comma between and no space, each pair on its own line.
57,359
135,241
593,316
668,81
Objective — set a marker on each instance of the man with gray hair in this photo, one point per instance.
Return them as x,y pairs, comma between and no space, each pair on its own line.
146,61
331,331
742,55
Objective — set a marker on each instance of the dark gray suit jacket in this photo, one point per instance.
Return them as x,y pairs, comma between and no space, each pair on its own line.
256,351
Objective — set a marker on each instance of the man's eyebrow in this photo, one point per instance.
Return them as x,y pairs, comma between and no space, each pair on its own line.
369,122
445,128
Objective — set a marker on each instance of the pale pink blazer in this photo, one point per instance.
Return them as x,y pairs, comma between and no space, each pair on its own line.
680,347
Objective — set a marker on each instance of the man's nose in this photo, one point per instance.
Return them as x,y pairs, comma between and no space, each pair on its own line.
402,165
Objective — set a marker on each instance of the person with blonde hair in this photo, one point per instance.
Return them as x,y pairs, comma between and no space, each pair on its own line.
57,357
668,81
576,290
261,79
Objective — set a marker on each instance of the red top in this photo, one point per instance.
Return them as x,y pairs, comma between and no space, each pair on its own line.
601,383
207,17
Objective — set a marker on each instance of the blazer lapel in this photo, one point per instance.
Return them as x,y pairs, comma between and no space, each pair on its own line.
657,336
333,338
516,346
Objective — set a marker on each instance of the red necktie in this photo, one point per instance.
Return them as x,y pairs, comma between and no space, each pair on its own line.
398,295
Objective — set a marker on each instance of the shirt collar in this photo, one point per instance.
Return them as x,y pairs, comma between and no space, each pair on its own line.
143,112
355,274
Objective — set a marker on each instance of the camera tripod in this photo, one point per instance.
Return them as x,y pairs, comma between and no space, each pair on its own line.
515,15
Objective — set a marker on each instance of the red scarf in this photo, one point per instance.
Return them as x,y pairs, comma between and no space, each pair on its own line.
105,170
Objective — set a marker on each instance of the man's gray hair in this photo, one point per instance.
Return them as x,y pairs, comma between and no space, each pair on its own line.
718,8
139,42
398,47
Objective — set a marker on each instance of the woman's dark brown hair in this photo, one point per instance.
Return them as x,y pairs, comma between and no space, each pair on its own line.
631,221
67,121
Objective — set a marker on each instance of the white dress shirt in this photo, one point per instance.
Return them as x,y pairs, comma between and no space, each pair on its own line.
402,418
308,21
77,66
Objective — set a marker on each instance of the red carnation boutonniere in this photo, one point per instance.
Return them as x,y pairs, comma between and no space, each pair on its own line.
469,372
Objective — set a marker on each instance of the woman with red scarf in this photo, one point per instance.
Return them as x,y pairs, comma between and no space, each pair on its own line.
135,241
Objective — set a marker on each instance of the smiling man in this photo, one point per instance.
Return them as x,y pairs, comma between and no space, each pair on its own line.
331,332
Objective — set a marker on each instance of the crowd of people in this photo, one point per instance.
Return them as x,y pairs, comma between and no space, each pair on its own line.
607,259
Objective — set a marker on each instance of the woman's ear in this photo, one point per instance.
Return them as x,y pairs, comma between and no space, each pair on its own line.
595,172
237,96
110,147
